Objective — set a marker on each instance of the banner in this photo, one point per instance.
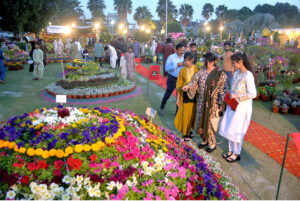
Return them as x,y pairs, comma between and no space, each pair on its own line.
138,61
296,138
154,72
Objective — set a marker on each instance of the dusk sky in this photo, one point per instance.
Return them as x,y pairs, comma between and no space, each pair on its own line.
197,5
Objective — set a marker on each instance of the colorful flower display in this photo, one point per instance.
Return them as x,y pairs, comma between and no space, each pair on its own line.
101,153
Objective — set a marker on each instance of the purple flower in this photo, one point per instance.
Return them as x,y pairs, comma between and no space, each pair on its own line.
218,195
86,135
200,189
64,136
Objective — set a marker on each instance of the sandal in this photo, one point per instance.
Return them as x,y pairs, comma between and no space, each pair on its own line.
227,154
231,160
202,146
186,139
210,150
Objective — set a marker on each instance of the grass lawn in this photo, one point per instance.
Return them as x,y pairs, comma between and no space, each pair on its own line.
256,174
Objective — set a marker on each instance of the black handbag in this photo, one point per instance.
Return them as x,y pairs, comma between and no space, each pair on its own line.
186,98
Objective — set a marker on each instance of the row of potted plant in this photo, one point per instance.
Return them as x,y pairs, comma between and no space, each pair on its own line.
279,105
60,59
266,93
87,93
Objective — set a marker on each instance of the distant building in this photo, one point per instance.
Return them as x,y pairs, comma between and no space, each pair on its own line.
195,27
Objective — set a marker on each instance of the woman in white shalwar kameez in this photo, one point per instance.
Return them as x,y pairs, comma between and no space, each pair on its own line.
235,123
55,44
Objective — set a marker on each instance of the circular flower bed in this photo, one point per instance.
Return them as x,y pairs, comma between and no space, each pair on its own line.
101,153
78,64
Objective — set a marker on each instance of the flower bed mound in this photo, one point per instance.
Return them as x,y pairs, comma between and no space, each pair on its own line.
101,153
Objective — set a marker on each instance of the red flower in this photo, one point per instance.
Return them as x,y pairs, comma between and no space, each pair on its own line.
42,164
32,166
2,153
57,172
58,164
104,108
38,133
19,165
93,157
74,163
25,180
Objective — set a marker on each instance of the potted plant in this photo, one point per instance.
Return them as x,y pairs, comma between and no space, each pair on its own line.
105,93
264,94
287,81
272,93
276,106
284,109
296,107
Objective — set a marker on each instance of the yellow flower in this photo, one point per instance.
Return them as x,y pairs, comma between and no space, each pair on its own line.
86,147
59,153
37,111
30,152
52,152
95,147
11,145
69,150
66,155
55,108
78,148
22,150
23,124
39,152
16,149
100,144
45,154
74,125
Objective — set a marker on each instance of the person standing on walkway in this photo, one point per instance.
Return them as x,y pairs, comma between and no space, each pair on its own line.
136,48
167,50
31,67
235,123
2,67
112,55
193,50
228,67
186,115
98,52
45,52
38,58
74,50
55,47
130,63
173,66
210,81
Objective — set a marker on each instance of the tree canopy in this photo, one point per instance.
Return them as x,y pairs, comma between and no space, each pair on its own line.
142,14
97,8
207,10
174,27
161,11
186,11
67,11
123,7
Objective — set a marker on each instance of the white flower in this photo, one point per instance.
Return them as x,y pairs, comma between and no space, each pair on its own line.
86,181
97,193
66,179
10,195
46,196
65,197
91,192
78,187
42,188
14,187
72,181
97,186
119,185
110,186
53,186
79,179
129,183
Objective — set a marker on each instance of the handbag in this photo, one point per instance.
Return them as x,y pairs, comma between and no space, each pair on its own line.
186,98
216,122
231,101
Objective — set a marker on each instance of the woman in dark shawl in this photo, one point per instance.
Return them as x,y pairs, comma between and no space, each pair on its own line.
31,68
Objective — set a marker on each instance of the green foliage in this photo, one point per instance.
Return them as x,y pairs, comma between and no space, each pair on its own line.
142,36
67,12
207,10
96,7
221,11
201,34
208,43
161,11
106,37
186,11
174,27
142,14
123,7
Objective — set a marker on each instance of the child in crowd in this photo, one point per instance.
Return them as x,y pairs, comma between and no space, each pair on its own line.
130,59
123,66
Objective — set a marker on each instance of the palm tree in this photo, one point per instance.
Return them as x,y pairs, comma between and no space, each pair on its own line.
221,11
141,14
186,11
96,7
207,11
161,11
123,7
67,11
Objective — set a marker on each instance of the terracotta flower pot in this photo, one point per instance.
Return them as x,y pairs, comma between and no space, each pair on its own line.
69,96
75,96
264,97
272,97
284,110
94,96
275,109
87,96
296,110
106,95
100,95
81,96
111,94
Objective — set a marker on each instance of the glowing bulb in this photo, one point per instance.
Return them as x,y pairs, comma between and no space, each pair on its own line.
207,28
125,31
50,23
73,24
113,22
121,26
221,28
143,28
67,29
288,32
148,31
97,25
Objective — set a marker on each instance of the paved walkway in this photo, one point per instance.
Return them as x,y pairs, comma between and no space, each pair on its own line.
268,141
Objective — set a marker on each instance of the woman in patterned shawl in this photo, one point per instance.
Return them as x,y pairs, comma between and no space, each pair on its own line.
210,82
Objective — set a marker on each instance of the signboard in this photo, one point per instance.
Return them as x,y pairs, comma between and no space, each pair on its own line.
151,113
154,72
61,98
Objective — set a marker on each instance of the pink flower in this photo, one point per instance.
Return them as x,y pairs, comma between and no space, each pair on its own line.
174,175
182,172
157,198
114,164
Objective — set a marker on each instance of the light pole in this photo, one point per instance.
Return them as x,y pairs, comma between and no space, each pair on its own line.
166,19
112,26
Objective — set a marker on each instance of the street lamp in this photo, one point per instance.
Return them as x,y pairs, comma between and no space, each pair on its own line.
112,26
207,28
143,27
73,24
148,31
50,23
67,29
97,25
121,26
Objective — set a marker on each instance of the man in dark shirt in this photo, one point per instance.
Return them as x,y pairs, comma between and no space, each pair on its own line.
193,48
167,50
